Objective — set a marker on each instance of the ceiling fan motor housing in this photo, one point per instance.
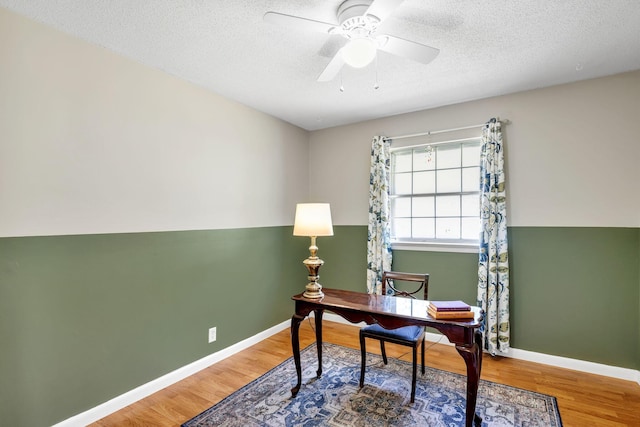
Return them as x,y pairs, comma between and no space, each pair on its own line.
354,21
352,8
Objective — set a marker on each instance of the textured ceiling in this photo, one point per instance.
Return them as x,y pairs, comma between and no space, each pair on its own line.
487,48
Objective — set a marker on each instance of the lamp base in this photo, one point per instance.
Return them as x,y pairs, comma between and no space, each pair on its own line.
313,288
314,291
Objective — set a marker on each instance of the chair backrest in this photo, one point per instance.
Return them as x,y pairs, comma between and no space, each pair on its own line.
422,280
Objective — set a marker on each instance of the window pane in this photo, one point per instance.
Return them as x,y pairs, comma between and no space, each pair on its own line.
471,228
424,183
401,183
471,205
401,228
423,206
427,185
424,159
401,207
448,181
470,179
447,228
471,155
449,156
402,162
423,228
447,206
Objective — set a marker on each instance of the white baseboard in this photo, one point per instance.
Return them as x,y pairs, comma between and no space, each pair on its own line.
132,396
576,365
138,393
546,359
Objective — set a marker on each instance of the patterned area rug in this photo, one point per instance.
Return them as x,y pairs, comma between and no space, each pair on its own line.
336,400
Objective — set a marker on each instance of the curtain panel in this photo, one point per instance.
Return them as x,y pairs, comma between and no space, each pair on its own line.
493,264
379,231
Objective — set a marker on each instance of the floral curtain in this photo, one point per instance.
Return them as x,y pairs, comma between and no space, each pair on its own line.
493,265
379,235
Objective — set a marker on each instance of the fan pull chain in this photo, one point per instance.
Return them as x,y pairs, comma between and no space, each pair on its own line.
341,85
376,86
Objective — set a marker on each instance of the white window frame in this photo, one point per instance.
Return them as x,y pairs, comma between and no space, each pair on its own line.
433,244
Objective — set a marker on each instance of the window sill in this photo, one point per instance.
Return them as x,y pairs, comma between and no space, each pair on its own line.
436,247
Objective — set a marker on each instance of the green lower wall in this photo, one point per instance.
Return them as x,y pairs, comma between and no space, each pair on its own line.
574,292
84,319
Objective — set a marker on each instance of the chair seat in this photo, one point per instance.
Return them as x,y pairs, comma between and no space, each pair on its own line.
406,333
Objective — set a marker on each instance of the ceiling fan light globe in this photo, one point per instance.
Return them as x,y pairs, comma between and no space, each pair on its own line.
359,52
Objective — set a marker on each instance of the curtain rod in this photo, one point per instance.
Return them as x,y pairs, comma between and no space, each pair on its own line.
433,144
435,132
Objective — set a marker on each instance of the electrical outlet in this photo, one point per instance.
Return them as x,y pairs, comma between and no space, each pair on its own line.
212,334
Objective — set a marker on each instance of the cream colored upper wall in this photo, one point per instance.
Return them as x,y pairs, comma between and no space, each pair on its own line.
91,142
573,153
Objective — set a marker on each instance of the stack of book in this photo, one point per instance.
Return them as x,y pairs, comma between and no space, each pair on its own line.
449,310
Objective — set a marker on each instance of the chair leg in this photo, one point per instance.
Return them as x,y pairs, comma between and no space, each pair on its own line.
422,345
414,372
383,351
363,358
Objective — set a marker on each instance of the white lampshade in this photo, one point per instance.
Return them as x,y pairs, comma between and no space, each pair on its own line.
313,219
359,52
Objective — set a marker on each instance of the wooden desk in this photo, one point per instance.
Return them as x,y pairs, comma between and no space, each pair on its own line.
391,312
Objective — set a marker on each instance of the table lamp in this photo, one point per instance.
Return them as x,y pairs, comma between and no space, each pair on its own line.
313,220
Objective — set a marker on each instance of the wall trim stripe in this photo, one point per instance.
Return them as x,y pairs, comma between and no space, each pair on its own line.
132,396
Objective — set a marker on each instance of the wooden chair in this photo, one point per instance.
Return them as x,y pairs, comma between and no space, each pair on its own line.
410,336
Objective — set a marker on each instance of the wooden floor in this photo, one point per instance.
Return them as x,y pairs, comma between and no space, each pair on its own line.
583,399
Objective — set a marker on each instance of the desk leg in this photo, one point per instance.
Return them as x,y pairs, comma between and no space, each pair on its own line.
295,344
318,315
473,358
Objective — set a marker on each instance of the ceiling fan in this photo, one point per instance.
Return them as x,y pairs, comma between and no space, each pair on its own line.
358,22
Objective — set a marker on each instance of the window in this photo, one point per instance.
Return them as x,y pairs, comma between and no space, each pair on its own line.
435,193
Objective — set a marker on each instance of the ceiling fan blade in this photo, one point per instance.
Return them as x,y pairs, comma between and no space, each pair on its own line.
333,44
298,22
408,49
381,9
332,69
